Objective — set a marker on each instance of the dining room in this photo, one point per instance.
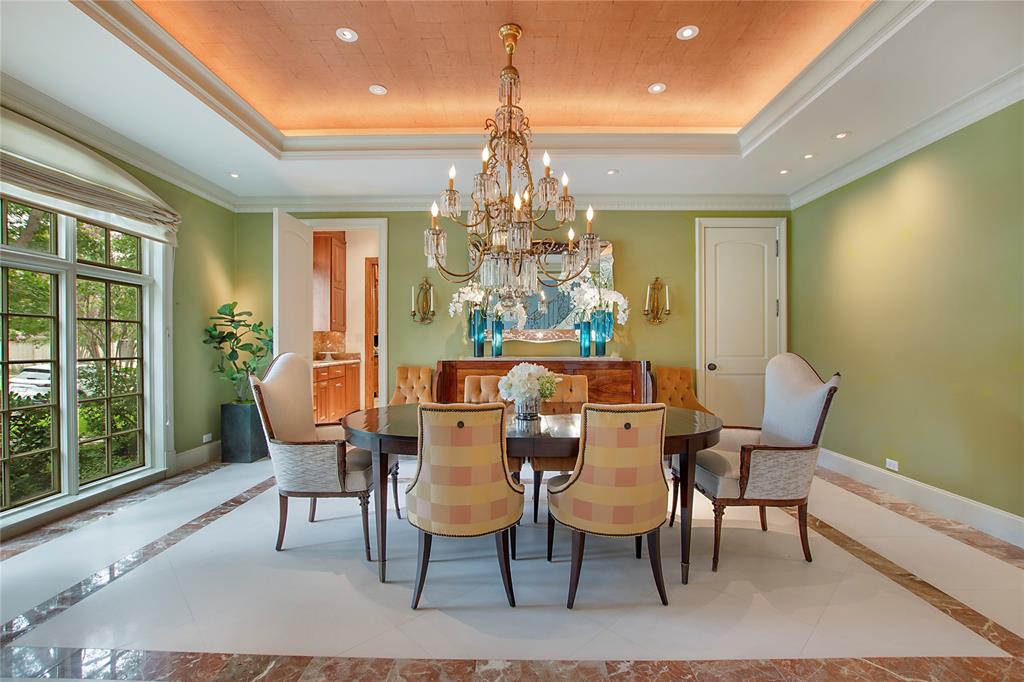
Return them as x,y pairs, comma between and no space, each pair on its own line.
512,340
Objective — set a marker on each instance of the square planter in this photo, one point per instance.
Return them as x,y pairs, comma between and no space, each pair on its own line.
241,434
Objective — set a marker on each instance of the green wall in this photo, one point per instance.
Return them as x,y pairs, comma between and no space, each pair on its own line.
647,244
910,281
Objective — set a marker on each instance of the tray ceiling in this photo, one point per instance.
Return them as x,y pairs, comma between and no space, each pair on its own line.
585,65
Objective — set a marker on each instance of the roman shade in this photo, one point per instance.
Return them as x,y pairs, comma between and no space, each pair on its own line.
46,168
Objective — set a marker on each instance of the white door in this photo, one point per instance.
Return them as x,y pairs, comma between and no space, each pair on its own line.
741,296
293,286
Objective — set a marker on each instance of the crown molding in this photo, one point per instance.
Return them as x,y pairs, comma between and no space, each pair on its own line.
869,32
985,101
29,102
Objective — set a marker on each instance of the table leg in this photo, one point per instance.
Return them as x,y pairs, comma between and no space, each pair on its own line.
687,471
380,506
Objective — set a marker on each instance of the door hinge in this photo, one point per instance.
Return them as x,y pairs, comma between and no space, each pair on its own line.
776,248
776,307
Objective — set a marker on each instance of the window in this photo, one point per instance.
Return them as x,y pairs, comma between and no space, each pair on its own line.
103,246
30,460
27,227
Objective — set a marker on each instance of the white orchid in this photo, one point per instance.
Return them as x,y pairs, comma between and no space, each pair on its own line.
471,293
525,381
588,296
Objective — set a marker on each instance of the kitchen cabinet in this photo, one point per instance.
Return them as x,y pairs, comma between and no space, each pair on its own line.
335,391
329,253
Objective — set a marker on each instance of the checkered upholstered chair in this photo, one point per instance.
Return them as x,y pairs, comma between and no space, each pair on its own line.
463,486
571,392
674,387
412,385
771,466
309,461
618,487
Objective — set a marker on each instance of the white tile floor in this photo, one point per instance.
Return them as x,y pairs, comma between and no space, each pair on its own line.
225,589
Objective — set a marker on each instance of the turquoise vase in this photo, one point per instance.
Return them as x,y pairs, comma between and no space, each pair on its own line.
479,332
497,327
584,338
597,321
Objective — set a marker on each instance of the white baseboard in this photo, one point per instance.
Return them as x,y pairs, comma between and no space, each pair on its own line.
207,452
995,522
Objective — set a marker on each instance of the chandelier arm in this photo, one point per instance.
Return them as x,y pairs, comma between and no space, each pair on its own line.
458,277
558,281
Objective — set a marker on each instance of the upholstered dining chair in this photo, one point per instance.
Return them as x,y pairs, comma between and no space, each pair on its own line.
771,466
674,387
309,461
412,385
618,486
463,486
571,392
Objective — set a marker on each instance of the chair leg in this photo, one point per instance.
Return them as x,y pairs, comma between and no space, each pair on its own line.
364,508
312,509
578,540
764,518
802,518
719,512
639,545
502,541
421,566
654,549
394,490
551,534
282,519
675,497
538,477
512,541
517,478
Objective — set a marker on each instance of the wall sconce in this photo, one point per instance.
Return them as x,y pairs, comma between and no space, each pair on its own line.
422,302
654,309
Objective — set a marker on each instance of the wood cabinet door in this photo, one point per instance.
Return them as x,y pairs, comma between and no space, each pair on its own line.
338,283
321,401
336,399
351,388
322,283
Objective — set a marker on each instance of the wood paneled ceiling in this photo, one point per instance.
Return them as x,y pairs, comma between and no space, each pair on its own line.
585,65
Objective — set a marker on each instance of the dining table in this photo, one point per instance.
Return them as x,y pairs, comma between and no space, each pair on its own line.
392,430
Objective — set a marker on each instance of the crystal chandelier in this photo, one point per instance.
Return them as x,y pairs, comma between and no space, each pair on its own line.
505,258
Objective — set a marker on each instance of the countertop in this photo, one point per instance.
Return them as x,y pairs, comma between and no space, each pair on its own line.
345,359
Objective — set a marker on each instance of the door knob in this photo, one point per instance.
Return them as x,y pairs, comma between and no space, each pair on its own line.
712,366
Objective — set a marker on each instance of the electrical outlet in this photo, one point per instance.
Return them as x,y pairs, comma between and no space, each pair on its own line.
207,437
892,464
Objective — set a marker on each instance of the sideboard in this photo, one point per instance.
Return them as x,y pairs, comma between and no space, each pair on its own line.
609,380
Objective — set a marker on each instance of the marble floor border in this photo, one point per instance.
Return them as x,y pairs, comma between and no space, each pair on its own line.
972,537
134,664
10,547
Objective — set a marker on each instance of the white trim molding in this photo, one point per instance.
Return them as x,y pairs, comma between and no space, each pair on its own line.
985,101
995,522
190,459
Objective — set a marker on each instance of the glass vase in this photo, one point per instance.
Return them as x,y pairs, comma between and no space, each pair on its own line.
597,321
479,332
584,338
528,409
497,327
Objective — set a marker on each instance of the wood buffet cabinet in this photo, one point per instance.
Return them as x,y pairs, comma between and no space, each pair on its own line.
335,391
609,381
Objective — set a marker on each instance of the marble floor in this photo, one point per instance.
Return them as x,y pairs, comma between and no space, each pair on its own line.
185,584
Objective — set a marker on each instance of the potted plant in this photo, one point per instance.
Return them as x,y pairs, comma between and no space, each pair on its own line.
244,348
527,385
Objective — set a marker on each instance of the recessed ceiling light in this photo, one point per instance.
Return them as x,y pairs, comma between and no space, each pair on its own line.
687,32
808,156
842,135
783,171
234,175
612,171
656,88
378,89
346,35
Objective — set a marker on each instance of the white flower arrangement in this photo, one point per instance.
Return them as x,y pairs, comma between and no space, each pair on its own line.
471,293
589,296
527,381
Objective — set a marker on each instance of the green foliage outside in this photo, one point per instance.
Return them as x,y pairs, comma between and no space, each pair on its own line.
244,347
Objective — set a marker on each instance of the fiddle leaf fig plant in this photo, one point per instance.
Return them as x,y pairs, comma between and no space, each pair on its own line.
244,347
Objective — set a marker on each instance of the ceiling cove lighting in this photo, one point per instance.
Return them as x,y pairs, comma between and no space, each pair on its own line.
687,32
346,35
511,209
378,90
842,135
656,88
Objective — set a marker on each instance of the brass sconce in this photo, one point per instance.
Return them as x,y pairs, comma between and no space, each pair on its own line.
655,310
423,302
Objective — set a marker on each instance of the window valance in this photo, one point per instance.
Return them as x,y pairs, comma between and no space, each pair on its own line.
59,173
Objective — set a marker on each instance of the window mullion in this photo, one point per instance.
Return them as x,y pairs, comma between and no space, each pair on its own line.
69,359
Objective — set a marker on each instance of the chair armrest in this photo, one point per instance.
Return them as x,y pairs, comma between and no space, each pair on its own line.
777,471
308,466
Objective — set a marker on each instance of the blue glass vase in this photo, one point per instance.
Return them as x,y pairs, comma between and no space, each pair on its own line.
497,327
479,332
597,320
584,338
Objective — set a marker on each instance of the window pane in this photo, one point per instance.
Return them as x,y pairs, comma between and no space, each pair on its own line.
124,414
29,292
30,228
30,384
124,377
124,339
92,460
124,451
91,298
92,339
124,302
124,250
29,338
92,419
92,379
32,476
91,241
31,430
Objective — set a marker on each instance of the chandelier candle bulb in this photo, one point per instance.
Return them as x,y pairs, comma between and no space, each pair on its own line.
484,155
590,219
565,185
547,165
433,216
451,177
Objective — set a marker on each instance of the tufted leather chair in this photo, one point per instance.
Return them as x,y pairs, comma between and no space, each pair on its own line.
413,385
673,386
481,389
